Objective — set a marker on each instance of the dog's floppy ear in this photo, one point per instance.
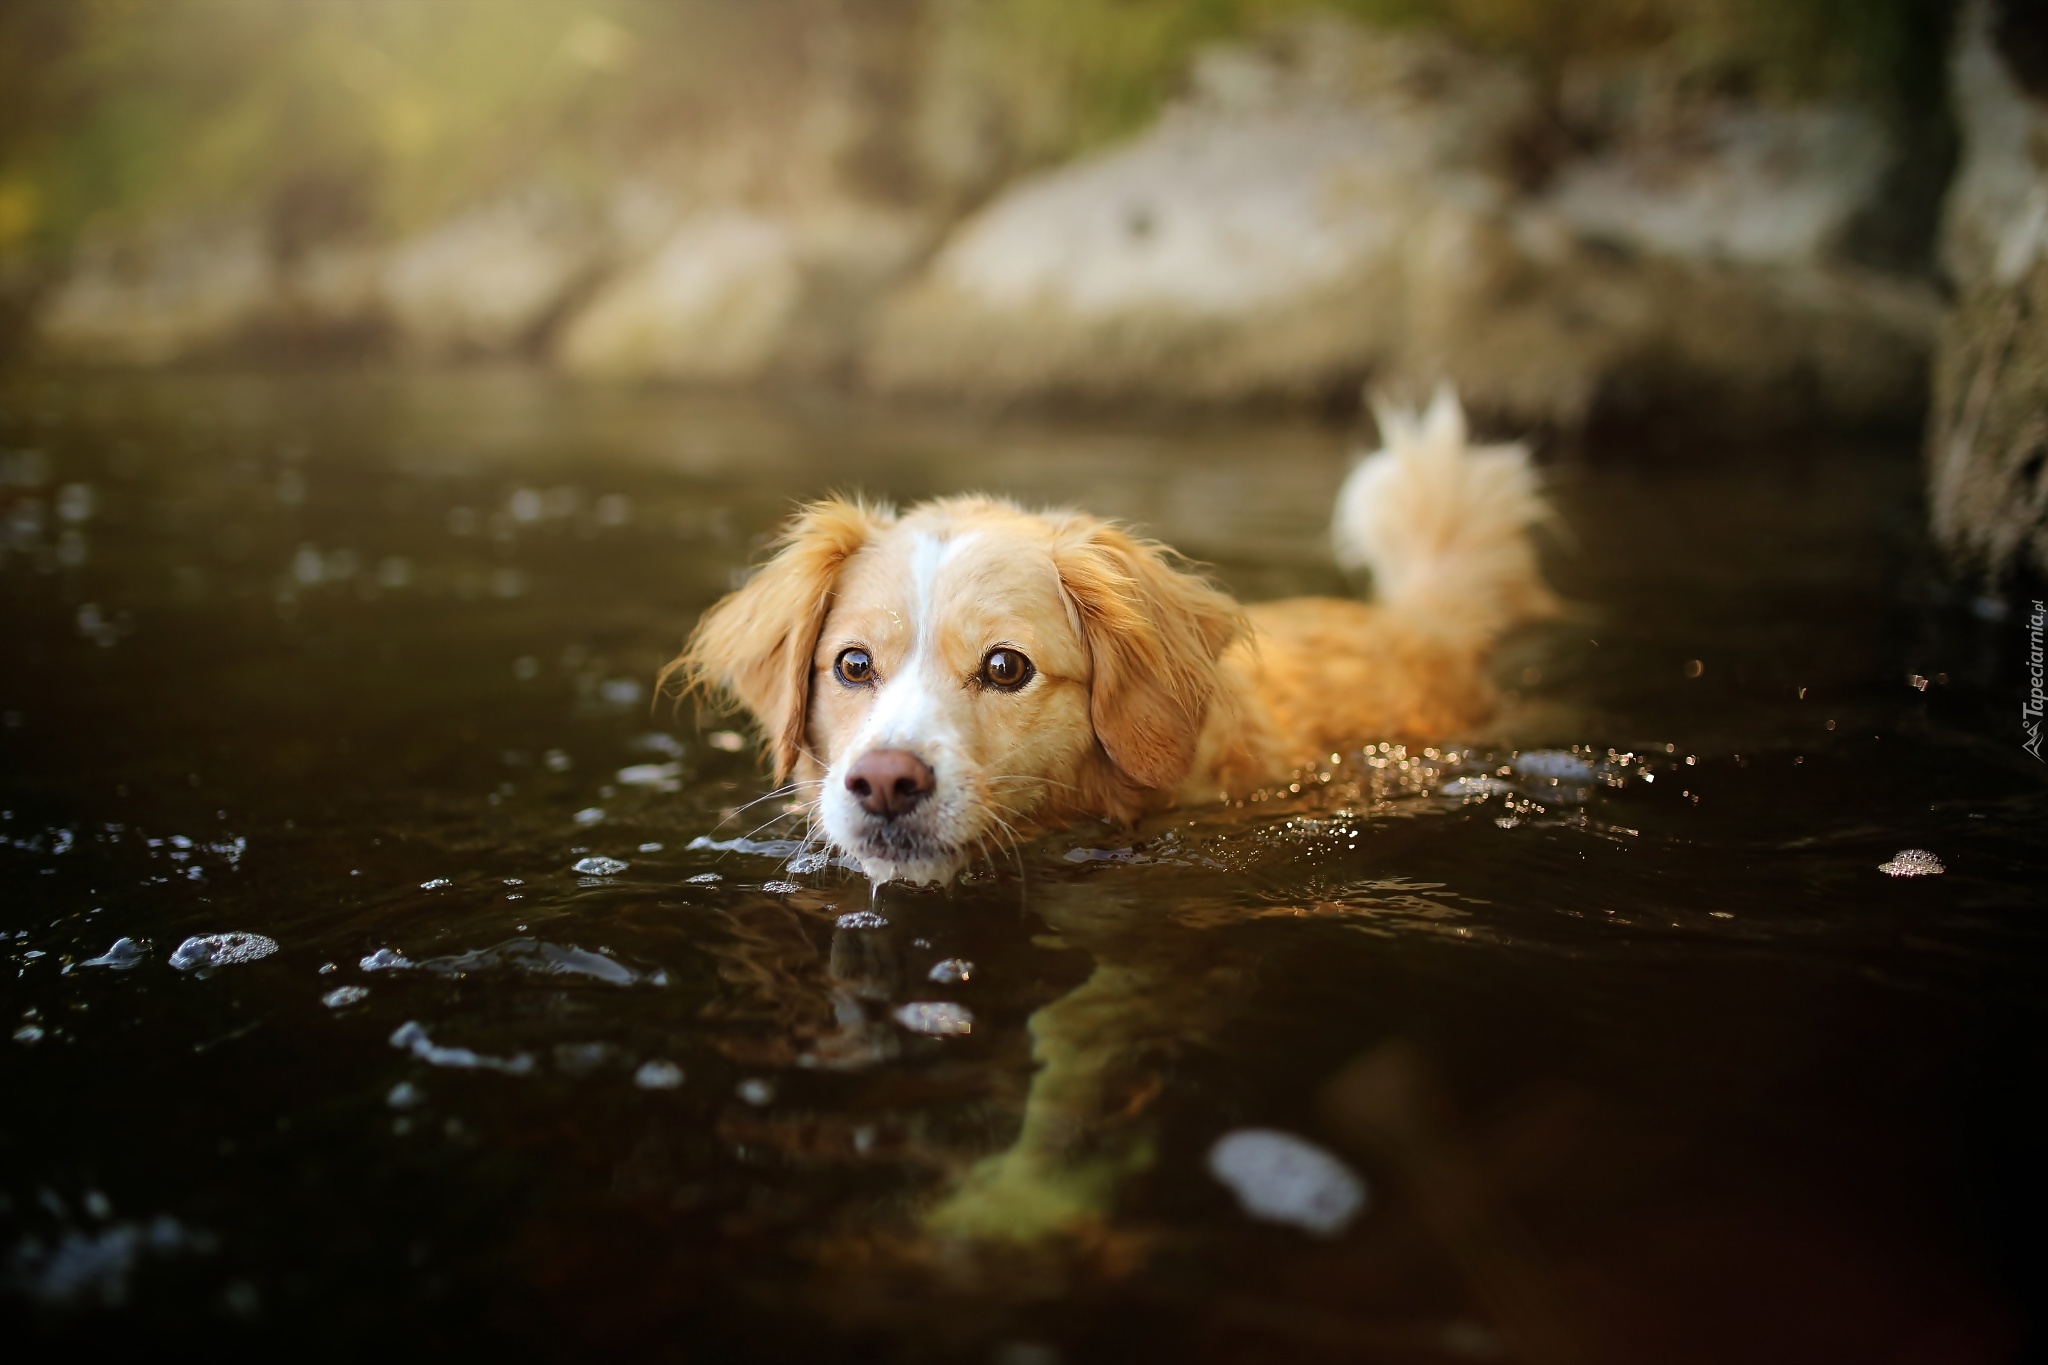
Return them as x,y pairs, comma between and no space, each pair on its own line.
1154,633
755,646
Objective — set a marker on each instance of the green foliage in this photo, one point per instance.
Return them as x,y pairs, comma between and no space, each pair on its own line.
387,112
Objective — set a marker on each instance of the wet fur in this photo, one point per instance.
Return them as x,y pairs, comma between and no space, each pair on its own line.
1154,687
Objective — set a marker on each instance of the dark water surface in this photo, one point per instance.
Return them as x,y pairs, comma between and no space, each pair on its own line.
1638,1053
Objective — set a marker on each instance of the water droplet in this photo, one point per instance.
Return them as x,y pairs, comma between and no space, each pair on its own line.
658,1075
1280,1178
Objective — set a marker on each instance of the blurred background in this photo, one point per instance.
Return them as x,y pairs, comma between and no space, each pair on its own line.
1745,210
1567,205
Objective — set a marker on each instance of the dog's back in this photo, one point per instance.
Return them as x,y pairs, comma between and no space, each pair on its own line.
1445,531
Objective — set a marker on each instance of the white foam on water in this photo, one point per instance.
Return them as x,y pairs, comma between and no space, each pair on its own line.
342,996
125,953
599,866
658,1075
861,919
384,960
1554,763
1280,1178
1912,862
412,1036
221,950
936,1018
953,969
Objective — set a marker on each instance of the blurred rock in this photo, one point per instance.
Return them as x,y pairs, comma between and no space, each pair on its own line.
1256,242
734,294
180,291
1339,204
491,279
1988,438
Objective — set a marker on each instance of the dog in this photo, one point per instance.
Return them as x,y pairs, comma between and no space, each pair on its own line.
968,671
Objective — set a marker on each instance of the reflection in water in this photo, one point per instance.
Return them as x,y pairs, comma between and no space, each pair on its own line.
562,1050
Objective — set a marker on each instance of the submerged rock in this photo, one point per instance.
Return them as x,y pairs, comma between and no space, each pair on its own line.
1988,437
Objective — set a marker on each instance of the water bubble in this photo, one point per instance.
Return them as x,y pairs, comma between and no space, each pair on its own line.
291,488
384,960
412,1037
861,919
1554,763
462,521
345,995
507,583
221,950
658,1075
613,510
526,668
620,692
435,883
953,969
650,848
781,888
308,566
404,1095
28,1033
755,1091
655,742
555,761
939,1018
394,571
125,953
590,815
75,502
1280,1178
661,776
1913,862
704,878
599,866
525,504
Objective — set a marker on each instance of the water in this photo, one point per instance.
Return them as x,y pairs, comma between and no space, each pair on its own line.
1611,1010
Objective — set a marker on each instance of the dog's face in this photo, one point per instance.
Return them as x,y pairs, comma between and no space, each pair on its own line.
954,676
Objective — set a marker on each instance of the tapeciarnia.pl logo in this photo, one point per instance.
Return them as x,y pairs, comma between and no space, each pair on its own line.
2030,711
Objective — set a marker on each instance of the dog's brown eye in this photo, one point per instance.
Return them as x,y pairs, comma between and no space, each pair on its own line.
1006,669
854,667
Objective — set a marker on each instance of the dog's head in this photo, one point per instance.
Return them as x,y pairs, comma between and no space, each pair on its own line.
953,675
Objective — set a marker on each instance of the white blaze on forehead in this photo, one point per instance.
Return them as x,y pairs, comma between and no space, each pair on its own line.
907,714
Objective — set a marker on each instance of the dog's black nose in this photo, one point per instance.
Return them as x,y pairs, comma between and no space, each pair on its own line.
888,782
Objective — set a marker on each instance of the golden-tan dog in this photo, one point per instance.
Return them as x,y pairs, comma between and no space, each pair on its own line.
970,670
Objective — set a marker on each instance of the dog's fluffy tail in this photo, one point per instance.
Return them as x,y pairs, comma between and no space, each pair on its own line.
1445,526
